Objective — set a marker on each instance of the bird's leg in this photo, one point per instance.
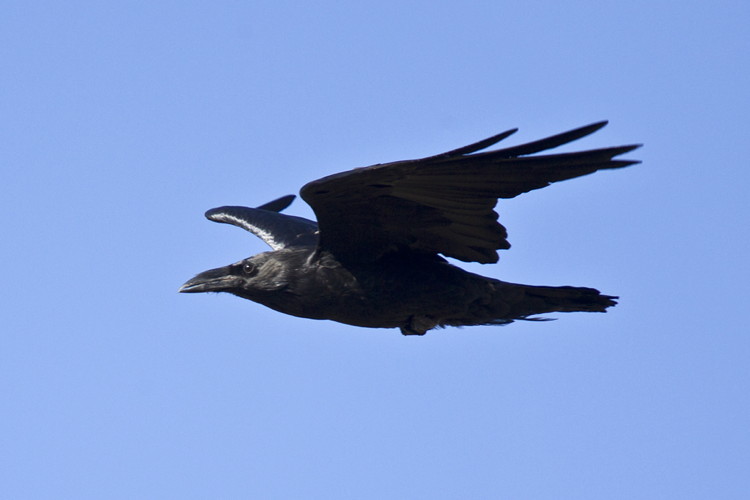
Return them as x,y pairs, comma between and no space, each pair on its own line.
418,325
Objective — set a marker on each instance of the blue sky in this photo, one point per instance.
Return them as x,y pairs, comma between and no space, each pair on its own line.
122,122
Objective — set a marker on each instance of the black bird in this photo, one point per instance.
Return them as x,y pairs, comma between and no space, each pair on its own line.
374,258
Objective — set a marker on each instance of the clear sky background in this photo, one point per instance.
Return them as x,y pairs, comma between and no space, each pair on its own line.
122,122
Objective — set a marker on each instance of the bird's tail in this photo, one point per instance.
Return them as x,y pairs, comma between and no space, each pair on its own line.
524,302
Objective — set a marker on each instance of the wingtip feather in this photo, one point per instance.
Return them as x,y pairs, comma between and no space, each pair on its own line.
278,204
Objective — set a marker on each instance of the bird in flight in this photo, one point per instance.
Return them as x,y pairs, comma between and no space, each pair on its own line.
376,255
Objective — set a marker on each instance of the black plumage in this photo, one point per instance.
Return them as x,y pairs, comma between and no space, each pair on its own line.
374,257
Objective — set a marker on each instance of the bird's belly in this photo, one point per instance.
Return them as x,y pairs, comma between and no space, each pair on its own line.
381,298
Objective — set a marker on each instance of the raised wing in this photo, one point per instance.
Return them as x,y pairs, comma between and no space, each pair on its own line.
444,203
277,230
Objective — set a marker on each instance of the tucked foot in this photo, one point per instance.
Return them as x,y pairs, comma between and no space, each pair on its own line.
418,325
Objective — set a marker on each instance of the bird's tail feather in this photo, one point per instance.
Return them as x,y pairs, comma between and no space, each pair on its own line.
524,301
511,302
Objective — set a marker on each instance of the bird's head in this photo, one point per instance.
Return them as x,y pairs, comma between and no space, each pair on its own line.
251,278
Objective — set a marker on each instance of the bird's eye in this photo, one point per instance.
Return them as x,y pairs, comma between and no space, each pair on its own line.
249,268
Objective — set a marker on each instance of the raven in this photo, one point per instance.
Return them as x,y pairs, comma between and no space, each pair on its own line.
375,257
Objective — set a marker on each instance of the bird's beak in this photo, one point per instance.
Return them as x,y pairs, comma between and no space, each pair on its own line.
214,280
